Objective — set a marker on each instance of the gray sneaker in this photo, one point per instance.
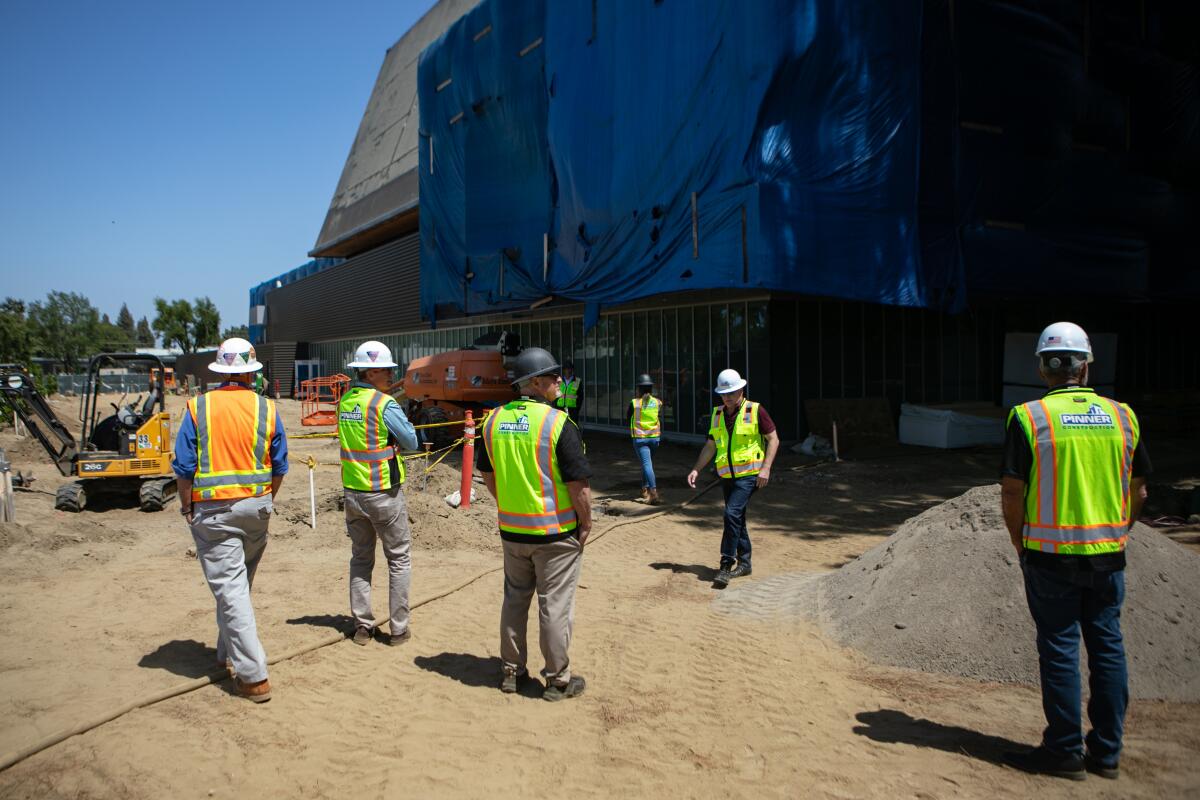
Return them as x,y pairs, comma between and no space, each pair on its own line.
362,635
512,681
572,688
395,640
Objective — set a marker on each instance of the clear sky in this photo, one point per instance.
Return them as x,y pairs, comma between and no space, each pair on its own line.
177,148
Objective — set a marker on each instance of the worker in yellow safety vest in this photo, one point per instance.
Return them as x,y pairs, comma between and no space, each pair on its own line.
230,459
570,397
645,429
372,428
742,442
1073,482
533,463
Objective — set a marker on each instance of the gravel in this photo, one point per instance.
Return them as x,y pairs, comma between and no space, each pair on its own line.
944,594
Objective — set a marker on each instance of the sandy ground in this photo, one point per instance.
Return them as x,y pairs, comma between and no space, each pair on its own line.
100,608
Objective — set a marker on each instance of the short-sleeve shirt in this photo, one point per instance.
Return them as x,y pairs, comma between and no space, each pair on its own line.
1017,462
765,423
568,453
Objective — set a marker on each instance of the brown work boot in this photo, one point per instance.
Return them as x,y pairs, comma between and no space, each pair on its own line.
258,691
645,498
654,498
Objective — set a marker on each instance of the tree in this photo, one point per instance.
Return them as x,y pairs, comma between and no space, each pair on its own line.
16,340
125,323
237,330
65,327
145,336
110,338
174,323
206,322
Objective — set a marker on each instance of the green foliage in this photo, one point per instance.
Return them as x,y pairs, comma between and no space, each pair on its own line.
125,323
65,327
241,331
144,336
16,339
186,324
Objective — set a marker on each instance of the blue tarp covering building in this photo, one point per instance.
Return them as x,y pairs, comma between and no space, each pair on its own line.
602,152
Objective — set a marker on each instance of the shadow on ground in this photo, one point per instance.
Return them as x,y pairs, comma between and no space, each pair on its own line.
185,657
339,622
473,670
895,727
703,573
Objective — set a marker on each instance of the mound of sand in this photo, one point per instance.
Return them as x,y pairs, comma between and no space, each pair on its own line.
945,594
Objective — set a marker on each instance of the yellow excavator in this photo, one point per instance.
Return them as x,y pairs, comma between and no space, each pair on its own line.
124,455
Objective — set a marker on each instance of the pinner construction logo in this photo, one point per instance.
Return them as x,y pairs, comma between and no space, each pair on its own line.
1096,417
520,426
351,416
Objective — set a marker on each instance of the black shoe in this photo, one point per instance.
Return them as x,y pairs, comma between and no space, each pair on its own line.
1098,767
397,639
513,681
723,577
572,688
742,571
362,635
1041,761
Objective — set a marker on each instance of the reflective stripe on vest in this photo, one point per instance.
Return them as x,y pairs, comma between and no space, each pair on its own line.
570,394
741,454
644,424
369,462
532,498
233,437
1078,498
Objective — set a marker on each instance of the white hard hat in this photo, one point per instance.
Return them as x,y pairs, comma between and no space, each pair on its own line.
235,355
729,381
1064,337
372,355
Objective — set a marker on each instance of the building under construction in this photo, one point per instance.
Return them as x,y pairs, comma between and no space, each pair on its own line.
841,200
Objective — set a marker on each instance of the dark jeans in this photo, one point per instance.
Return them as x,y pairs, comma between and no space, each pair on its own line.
735,541
644,448
1063,604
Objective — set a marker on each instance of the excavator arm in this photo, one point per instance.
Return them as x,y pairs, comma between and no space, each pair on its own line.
19,393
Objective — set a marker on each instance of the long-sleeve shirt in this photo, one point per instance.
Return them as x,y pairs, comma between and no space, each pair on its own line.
185,460
399,426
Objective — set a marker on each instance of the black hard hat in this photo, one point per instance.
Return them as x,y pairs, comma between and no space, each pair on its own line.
568,364
532,362
644,380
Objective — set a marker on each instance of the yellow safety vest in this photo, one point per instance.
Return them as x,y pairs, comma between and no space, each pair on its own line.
741,454
234,428
532,498
644,424
1078,501
570,394
369,462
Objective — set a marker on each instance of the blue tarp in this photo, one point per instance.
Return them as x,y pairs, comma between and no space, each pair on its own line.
563,143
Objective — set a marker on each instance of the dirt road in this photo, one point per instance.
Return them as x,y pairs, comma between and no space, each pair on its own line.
100,608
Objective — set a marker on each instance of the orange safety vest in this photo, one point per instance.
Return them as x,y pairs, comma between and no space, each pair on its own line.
234,428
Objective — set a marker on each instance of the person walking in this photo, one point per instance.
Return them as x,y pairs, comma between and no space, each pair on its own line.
371,425
645,428
570,397
230,459
1073,483
533,463
742,442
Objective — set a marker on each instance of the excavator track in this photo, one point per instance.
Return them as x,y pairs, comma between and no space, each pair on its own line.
154,494
71,497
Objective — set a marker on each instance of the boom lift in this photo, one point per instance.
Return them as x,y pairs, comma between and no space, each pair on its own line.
125,454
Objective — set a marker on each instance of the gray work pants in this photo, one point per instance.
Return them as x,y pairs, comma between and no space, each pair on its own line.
552,570
382,514
230,537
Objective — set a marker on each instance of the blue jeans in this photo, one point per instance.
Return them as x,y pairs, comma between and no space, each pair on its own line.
1062,605
735,541
645,451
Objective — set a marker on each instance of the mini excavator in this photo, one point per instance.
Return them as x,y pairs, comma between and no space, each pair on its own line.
122,455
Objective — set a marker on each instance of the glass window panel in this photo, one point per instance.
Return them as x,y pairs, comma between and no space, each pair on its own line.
612,365
628,351
758,358
668,390
737,340
702,364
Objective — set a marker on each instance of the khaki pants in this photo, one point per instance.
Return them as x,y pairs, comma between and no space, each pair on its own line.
382,514
230,539
552,570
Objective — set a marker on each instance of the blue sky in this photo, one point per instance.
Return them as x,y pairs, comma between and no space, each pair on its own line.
177,148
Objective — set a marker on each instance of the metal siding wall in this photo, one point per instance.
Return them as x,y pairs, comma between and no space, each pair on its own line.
375,292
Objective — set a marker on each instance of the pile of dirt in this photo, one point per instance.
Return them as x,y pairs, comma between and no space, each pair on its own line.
435,525
945,594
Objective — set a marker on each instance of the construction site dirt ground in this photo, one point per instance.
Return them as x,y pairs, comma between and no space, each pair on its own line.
101,608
